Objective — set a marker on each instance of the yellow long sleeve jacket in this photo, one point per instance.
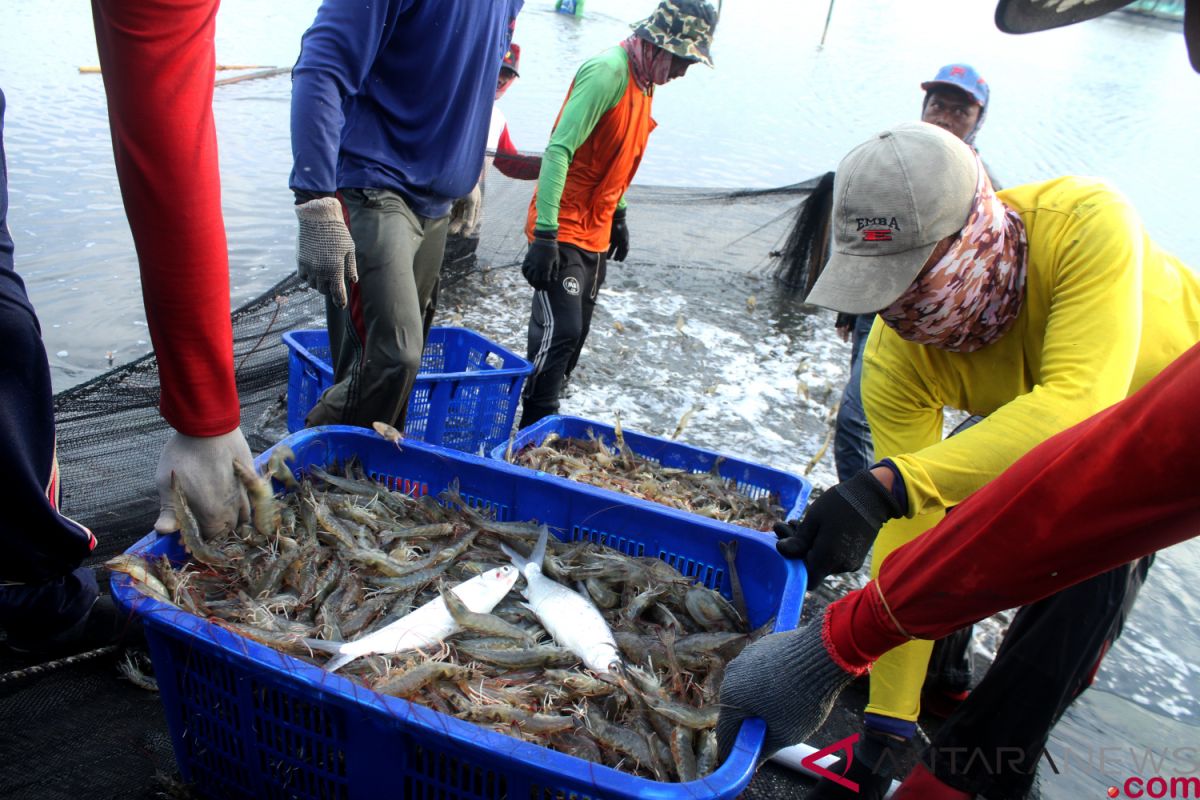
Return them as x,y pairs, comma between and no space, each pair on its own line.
1105,310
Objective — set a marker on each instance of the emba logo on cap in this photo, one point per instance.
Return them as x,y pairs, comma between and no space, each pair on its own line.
877,229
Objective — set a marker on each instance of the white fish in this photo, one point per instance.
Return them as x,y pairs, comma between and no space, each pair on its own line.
427,625
572,619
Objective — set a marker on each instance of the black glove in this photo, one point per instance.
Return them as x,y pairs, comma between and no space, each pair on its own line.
540,267
618,240
837,531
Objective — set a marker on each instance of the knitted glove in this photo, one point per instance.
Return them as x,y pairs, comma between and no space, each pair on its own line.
618,242
789,680
837,531
540,267
324,250
464,215
204,467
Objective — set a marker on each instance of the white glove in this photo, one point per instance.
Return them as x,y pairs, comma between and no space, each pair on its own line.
464,216
204,467
324,250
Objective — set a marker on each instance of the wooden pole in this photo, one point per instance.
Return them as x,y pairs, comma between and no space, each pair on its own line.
266,73
828,17
93,69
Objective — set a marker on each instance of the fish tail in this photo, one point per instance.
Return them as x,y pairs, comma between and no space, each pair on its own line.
535,558
324,645
336,663
539,550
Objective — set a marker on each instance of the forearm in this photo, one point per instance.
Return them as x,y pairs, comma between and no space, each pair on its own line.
552,179
158,66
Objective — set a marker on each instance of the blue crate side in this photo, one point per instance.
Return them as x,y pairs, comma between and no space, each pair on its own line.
751,479
465,397
247,721
310,372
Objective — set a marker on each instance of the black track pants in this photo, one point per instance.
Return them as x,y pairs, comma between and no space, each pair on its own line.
992,744
558,326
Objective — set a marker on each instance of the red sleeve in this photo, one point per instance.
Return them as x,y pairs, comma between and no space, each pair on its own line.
158,63
516,166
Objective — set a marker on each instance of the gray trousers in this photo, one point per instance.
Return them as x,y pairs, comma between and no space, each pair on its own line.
377,340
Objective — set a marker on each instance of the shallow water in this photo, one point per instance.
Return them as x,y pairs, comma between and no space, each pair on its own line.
1113,97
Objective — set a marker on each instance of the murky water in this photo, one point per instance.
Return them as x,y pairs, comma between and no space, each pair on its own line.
1113,98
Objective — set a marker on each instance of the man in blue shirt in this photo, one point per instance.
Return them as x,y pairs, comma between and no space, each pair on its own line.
391,102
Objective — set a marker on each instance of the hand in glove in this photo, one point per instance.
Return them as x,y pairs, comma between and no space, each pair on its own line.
540,267
788,679
464,215
203,465
618,240
324,250
837,531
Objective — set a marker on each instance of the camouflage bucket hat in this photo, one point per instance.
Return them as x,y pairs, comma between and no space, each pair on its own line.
682,27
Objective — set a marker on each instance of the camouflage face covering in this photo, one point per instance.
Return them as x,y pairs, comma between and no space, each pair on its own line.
682,27
971,296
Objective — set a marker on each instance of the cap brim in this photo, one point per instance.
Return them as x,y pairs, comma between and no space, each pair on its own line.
927,85
1030,16
862,284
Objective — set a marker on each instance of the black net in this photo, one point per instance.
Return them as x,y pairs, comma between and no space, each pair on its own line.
109,429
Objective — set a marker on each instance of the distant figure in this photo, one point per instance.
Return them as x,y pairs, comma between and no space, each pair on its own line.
577,215
391,102
957,101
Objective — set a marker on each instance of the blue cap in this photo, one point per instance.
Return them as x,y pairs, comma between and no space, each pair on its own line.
961,76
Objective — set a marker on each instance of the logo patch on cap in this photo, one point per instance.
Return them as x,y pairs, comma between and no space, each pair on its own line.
877,229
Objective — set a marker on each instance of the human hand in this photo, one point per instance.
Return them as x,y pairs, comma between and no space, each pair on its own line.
324,249
464,215
618,243
839,528
203,466
540,267
844,325
788,679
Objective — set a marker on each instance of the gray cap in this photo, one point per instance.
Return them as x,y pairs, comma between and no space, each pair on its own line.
894,198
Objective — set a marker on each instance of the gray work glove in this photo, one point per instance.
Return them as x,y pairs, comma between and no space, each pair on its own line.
464,215
789,680
204,467
324,250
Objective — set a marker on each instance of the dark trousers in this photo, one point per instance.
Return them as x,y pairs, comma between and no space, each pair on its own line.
853,450
558,326
39,593
992,744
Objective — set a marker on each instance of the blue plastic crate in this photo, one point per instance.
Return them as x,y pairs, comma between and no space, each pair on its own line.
752,480
465,396
249,722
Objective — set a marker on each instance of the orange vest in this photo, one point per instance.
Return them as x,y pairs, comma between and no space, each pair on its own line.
603,168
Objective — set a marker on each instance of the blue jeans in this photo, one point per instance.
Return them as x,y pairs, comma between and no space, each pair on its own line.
853,450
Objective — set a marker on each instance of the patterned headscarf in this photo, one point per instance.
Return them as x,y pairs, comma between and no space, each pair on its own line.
651,64
971,296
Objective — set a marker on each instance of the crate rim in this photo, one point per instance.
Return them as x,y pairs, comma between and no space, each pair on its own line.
736,770
326,368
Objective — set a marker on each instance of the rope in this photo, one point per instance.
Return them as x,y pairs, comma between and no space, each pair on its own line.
50,666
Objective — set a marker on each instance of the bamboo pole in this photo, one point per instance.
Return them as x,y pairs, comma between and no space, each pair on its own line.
266,73
828,17
89,70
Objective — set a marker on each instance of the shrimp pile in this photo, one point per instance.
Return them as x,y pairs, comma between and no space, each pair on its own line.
616,467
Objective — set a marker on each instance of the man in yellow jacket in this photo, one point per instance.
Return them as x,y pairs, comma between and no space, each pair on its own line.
1035,307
